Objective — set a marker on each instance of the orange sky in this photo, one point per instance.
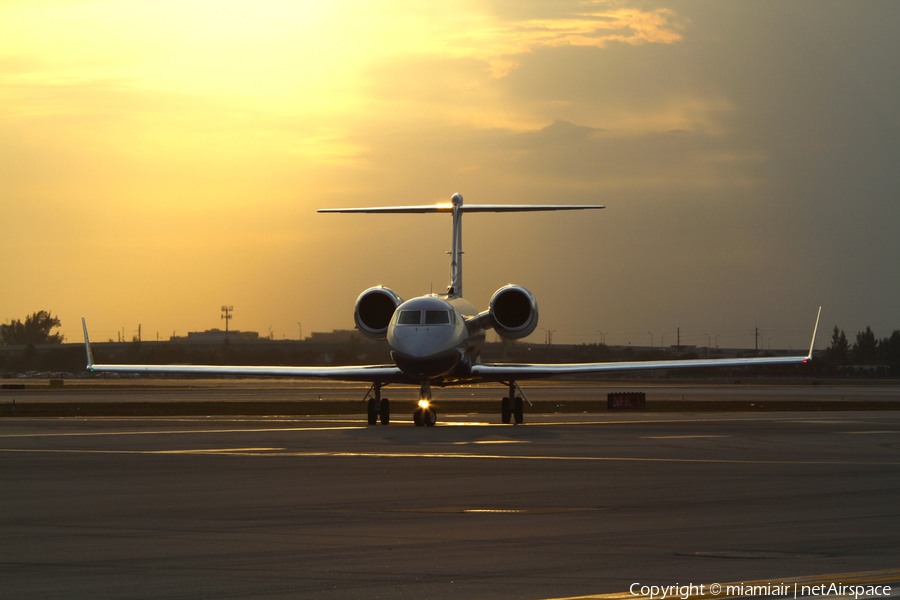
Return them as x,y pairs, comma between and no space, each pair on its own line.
161,159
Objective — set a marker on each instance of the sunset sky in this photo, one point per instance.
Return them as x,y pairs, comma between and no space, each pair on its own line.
159,159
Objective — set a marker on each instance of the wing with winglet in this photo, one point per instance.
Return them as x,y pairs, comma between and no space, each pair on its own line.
501,372
367,373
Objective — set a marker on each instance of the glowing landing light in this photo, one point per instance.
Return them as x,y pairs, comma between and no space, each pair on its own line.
423,403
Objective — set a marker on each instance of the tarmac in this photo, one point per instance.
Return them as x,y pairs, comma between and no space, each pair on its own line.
568,505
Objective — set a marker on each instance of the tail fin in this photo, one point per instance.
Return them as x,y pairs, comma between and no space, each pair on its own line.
457,207
87,346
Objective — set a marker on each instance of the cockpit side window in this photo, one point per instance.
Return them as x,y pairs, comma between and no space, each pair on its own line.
410,317
437,317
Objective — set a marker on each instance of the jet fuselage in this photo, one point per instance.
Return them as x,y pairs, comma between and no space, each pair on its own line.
435,338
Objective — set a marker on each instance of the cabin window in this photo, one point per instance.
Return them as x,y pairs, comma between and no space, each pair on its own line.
410,317
437,317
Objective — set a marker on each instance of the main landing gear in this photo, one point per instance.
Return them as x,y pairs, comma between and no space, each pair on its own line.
425,414
511,406
378,406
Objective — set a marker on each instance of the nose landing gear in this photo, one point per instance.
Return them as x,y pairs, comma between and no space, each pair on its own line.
425,414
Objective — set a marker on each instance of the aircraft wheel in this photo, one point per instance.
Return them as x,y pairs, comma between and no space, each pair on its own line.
419,417
430,417
505,413
385,411
373,415
520,416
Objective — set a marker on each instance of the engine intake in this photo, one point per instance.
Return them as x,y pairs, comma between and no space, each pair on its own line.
373,311
514,312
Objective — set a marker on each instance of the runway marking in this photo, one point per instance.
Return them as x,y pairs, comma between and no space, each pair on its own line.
176,431
492,442
680,437
506,511
865,432
217,450
858,578
359,425
824,421
225,451
281,452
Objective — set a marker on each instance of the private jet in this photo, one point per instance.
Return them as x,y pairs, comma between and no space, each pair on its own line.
435,340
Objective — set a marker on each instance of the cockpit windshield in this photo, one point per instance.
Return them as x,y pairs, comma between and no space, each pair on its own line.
410,317
437,317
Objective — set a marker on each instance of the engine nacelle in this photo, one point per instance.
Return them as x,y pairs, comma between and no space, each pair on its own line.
373,312
514,312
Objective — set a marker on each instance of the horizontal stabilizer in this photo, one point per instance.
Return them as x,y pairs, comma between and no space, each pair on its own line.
470,208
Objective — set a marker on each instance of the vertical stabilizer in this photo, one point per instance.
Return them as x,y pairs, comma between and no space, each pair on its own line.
455,289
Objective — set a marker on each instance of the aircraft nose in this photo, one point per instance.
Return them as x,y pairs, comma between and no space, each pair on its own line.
422,342
427,351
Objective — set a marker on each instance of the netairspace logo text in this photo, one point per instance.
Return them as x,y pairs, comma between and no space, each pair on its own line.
671,592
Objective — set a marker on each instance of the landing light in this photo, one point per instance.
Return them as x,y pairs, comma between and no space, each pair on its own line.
423,403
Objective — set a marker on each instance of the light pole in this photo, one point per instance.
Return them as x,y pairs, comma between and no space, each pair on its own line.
549,333
226,314
301,330
651,339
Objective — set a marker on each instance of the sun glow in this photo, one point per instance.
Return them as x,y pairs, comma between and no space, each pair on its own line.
159,140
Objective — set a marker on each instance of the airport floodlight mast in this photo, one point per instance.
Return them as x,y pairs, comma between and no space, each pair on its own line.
226,314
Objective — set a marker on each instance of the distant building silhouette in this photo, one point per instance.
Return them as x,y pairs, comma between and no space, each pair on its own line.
333,337
216,335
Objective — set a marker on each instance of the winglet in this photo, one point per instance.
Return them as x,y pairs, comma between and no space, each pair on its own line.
815,330
87,347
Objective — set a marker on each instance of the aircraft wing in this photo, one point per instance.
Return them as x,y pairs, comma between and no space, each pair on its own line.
368,373
501,372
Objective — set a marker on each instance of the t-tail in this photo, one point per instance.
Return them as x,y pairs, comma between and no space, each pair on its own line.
457,208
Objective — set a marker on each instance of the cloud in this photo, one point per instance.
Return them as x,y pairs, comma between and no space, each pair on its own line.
591,24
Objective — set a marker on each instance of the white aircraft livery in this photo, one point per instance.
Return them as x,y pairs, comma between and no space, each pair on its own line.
436,339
